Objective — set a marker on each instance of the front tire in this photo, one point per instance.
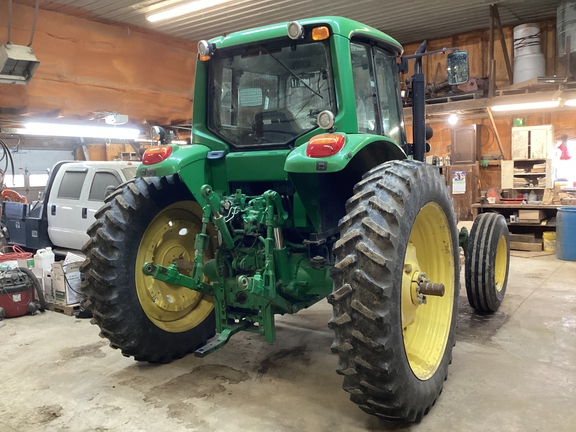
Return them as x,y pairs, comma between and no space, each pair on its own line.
487,262
394,351
147,220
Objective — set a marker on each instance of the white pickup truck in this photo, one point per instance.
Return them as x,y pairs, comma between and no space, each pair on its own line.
73,194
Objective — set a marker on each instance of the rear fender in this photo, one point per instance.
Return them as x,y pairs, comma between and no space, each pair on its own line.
324,192
189,162
381,147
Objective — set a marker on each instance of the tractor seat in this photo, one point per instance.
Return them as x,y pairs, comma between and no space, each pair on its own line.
276,126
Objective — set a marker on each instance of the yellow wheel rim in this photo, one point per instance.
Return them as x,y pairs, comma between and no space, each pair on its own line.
501,263
168,237
426,327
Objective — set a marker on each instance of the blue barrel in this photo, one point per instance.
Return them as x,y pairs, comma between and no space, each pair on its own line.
566,233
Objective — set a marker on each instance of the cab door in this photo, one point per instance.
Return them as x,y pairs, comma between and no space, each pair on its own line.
65,225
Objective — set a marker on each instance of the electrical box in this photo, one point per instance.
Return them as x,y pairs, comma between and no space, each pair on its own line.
17,64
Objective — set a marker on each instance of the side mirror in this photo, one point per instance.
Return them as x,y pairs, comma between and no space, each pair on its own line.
458,70
158,134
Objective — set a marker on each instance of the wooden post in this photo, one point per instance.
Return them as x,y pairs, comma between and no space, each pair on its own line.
491,66
503,42
495,129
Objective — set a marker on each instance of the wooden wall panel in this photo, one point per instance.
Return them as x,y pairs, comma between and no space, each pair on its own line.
476,42
87,66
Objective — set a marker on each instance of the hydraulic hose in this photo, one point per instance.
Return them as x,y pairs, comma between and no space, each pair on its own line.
36,283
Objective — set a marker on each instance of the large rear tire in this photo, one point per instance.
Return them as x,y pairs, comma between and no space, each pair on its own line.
147,220
393,350
487,262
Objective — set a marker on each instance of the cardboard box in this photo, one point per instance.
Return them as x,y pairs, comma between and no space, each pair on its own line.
45,279
66,280
531,215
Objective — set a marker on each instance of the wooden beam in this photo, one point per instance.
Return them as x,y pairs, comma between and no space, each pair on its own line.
495,129
491,61
503,42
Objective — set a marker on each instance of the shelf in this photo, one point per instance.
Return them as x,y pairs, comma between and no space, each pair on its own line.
535,224
517,206
531,174
529,160
532,188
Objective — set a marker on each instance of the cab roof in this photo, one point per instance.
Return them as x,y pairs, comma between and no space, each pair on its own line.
340,26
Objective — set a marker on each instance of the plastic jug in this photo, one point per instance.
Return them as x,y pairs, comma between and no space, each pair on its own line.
44,258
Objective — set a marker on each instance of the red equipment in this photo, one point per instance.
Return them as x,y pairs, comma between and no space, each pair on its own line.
17,293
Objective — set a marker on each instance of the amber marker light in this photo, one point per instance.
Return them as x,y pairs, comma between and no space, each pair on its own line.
320,33
324,145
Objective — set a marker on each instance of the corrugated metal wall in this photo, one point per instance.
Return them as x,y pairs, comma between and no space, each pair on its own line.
405,20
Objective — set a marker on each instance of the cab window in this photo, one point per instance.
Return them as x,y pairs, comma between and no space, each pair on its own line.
377,89
388,94
364,88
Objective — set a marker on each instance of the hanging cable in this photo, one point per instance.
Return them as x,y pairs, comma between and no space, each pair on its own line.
9,159
36,10
34,22
9,20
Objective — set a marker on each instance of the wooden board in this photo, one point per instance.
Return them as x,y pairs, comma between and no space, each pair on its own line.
524,238
63,309
463,202
534,247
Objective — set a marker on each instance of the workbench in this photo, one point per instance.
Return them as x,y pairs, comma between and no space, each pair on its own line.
507,209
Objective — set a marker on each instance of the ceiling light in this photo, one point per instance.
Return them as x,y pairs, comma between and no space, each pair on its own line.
570,103
453,119
526,106
187,8
80,131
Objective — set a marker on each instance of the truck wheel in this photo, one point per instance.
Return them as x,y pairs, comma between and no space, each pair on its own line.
147,220
487,262
393,348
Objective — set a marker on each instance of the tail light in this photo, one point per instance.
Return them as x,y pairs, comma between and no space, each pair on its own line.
324,145
155,155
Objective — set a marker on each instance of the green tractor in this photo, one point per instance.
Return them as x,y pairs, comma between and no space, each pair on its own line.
297,187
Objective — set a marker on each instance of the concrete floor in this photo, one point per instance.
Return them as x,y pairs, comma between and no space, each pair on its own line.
514,371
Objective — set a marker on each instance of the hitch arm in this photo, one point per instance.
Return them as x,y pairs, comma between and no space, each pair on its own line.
221,339
172,276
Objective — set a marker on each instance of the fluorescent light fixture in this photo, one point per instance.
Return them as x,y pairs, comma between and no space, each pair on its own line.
187,8
83,131
527,106
453,119
570,103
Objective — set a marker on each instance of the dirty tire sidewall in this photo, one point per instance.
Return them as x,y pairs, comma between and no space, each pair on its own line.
109,272
481,290
366,301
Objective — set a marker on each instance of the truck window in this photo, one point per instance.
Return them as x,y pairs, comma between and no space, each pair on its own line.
71,186
130,172
102,180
